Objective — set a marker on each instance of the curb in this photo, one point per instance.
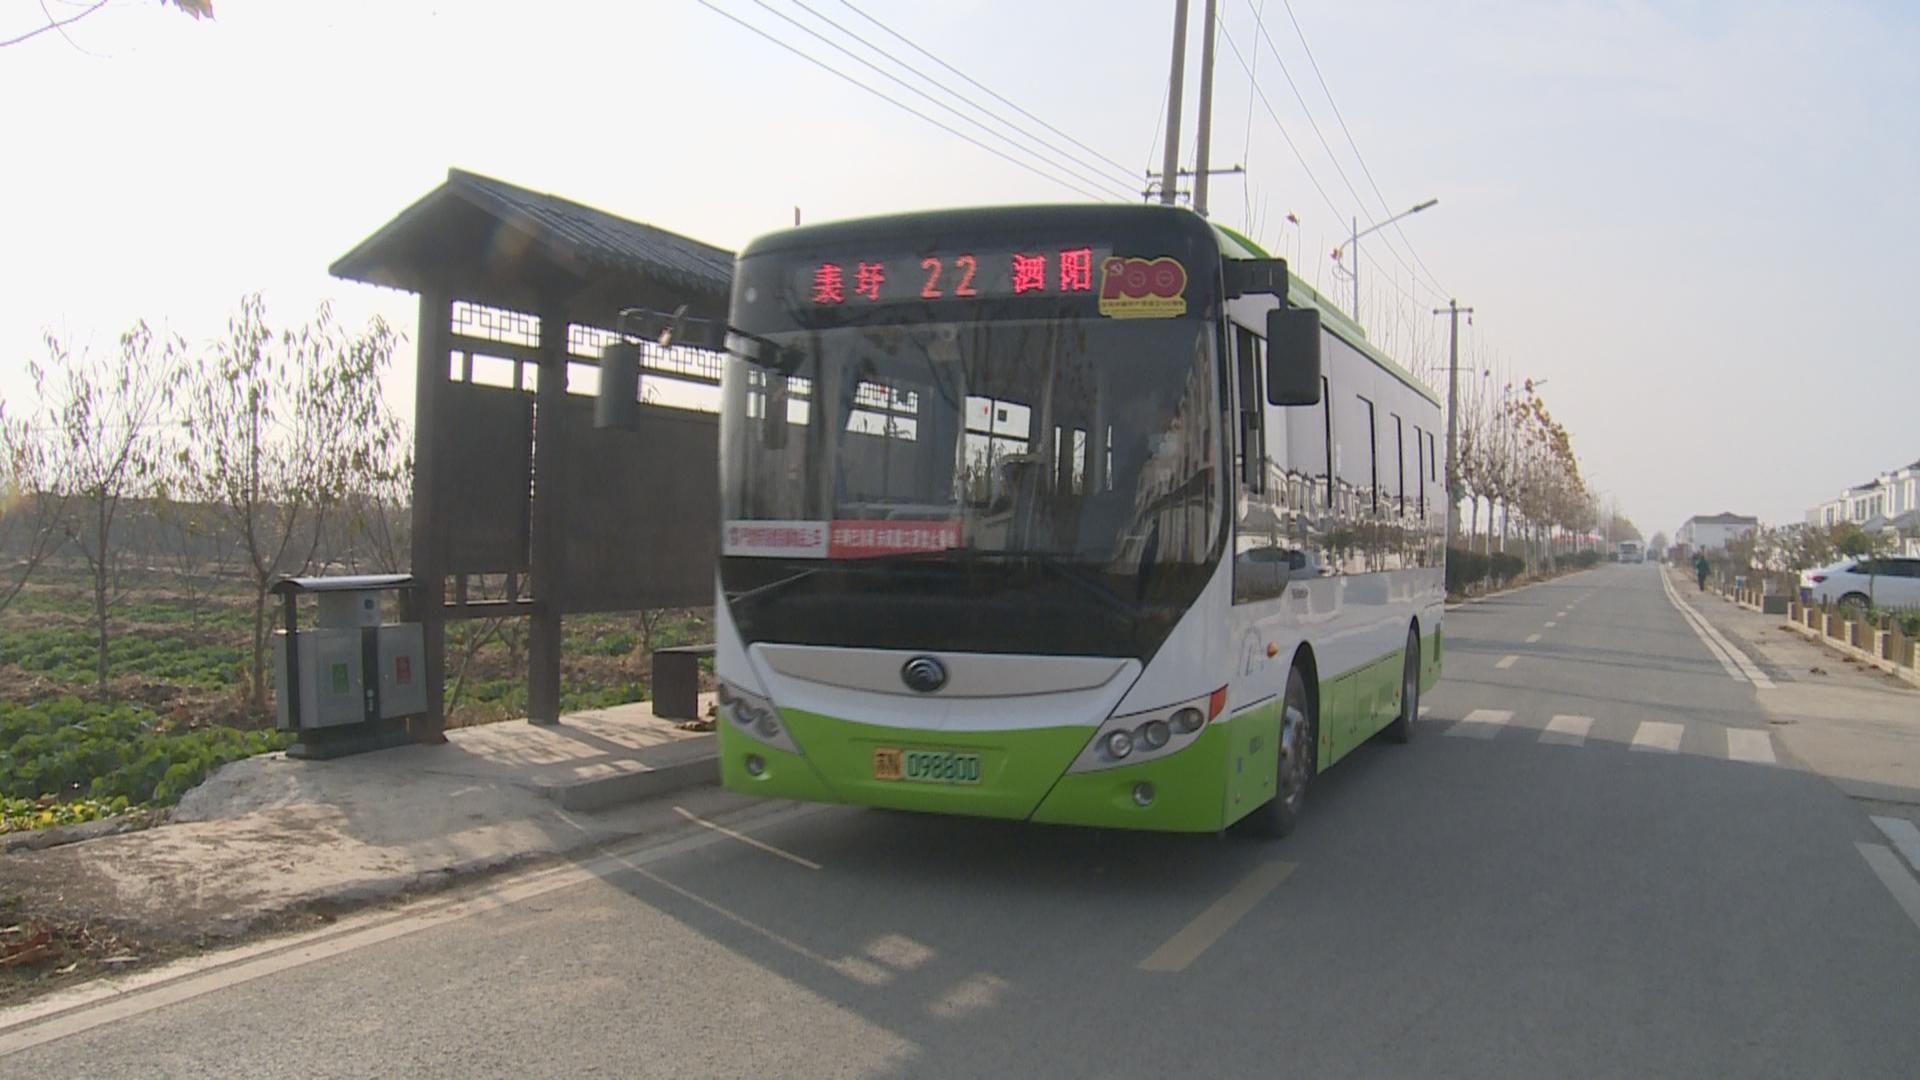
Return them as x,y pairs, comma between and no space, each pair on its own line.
1898,671
603,792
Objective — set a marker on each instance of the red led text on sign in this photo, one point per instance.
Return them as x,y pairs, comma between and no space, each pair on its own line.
1076,270
868,279
964,265
1029,273
968,275
829,285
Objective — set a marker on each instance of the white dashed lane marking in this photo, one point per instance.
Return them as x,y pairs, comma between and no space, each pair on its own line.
1506,661
1748,745
1905,837
1567,730
1481,723
1654,735
1531,638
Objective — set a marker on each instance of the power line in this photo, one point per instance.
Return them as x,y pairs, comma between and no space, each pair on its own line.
897,103
977,84
1227,36
1324,145
877,69
998,118
1325,89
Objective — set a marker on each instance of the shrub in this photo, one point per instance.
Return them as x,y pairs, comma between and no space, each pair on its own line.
1503,566
1465,569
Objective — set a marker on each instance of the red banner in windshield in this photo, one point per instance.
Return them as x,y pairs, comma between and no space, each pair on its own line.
868,539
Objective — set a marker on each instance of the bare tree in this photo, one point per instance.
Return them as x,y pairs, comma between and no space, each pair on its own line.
283,426
31,508
106,448
195,545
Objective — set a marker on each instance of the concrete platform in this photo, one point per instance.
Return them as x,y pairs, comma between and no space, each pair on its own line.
271,836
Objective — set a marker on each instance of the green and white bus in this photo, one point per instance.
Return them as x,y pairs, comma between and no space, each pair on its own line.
1080,515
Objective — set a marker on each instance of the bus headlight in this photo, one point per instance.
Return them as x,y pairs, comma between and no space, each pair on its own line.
755,717
1145,736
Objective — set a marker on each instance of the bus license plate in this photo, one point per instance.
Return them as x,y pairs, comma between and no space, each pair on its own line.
925,766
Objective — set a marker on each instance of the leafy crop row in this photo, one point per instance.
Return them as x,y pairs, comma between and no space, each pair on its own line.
68,749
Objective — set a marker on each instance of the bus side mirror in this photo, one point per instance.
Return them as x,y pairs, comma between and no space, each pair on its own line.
618,406
1293,356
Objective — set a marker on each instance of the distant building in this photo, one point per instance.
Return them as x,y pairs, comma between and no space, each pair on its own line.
1710,532
1889,504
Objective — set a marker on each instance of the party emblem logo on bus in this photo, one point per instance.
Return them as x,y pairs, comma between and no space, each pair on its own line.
1143,288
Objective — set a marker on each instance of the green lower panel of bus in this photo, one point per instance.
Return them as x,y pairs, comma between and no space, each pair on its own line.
1021,774
1228,772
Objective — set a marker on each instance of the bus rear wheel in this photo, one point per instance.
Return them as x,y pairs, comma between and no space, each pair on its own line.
1401,729
1298,750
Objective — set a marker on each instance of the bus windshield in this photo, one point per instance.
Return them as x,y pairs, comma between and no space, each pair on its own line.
1079,455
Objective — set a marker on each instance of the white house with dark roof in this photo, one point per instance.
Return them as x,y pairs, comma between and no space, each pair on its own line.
1889,503
1710,532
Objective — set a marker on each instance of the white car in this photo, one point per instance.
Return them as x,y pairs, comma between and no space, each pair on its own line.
1891,581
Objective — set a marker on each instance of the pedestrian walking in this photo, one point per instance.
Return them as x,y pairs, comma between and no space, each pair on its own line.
1700,568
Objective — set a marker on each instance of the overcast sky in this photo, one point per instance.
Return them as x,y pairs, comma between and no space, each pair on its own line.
1695,220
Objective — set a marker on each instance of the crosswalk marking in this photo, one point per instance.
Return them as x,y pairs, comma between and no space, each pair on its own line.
1654,735
1746,744
1481,723
1905,838
1567,730
1506,661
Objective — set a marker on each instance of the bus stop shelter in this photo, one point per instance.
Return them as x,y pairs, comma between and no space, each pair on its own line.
521,507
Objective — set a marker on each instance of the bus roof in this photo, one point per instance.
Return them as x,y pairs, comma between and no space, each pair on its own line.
1233,245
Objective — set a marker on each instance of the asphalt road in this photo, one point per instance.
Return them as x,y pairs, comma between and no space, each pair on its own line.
1592,860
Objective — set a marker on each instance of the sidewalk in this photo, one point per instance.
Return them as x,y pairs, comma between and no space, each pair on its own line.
271,837
1855,725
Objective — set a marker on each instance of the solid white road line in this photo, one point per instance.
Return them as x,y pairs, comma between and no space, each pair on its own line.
1481,723
1906,838
745,839
1749,745
107,1002
1693,621
1567,730
1531,638
1718,642
1654,735
1209,926
1506,661
1887,868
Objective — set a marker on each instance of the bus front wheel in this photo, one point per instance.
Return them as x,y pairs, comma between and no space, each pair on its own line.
1298,751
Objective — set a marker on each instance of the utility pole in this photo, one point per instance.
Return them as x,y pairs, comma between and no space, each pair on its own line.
1453,311
1170,163
1206,109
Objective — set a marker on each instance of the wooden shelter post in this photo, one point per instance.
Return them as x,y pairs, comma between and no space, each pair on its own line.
549,516
429,569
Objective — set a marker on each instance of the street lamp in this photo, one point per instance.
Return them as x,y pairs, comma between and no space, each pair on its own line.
1353,247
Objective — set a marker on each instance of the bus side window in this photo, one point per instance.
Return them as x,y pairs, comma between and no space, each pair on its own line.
1399,467
1249,355
1420,467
